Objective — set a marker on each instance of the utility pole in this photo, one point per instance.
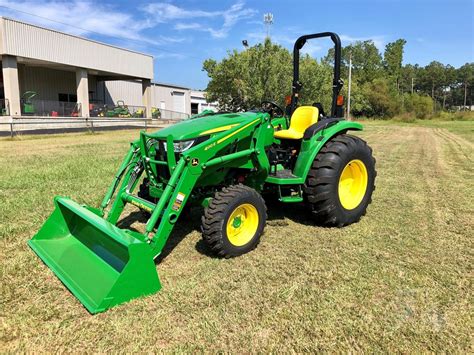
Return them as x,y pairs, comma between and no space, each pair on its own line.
349,88
268,20
465,97
412,84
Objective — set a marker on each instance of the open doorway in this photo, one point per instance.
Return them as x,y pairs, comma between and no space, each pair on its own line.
194,108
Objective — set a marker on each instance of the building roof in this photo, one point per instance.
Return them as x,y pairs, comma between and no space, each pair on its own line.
30,41
170,85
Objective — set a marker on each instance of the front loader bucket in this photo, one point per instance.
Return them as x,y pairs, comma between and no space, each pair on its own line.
100,263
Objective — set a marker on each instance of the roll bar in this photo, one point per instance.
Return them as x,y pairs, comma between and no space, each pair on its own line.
337,83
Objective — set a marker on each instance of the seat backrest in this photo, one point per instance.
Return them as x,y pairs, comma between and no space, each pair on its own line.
303,117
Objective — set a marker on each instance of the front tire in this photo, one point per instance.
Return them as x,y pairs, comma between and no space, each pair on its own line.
234,221
340,182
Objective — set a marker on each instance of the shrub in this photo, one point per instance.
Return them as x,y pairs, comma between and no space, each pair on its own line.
383,102
464,116
454,116
420,106
406,117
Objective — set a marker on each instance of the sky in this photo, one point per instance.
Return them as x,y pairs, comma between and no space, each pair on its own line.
180,35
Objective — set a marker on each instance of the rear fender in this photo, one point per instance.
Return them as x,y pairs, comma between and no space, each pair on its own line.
313,142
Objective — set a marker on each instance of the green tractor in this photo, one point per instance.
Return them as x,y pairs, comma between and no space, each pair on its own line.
28,105
120,110
223,162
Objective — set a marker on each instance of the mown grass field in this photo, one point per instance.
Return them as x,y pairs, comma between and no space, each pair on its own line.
400,280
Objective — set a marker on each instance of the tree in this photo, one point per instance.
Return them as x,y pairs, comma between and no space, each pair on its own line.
432,78
393,58
408,77
242,80
382,98
360,105
419,105
448,83
317,82
366,61
465,76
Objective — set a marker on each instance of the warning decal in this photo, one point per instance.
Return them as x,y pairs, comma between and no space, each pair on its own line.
178,202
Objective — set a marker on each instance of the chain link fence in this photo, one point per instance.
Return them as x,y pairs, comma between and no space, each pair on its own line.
4,108
168,115
19,126
117,111
49,108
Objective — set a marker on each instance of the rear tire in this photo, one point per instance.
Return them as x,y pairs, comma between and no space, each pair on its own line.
341,180
234,221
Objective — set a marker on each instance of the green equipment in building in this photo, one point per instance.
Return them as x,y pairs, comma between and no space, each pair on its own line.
120,110
139,113
223,162
28,106
155,112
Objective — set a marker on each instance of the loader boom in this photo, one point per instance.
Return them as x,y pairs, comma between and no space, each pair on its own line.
184,175
77,237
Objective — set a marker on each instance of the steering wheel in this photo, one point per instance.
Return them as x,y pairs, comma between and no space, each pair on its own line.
272,108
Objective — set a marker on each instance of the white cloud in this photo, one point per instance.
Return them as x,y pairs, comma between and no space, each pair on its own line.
286,40
163,55
379,41
166,12
129,28
187,26
284,36
259,36
84,17
311,48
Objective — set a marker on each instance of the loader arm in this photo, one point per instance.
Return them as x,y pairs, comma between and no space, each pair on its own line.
188,170
104,265
184,175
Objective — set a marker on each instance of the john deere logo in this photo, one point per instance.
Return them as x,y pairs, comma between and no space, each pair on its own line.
195,162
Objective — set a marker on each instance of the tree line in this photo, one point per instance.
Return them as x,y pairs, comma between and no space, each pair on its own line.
382,86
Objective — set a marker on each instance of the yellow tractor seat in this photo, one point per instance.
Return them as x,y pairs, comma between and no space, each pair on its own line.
301,119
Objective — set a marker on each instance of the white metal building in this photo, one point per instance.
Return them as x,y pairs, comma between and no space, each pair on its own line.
164,96
199,102
71,74
63,68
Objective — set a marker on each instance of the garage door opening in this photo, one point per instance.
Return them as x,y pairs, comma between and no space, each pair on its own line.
178,101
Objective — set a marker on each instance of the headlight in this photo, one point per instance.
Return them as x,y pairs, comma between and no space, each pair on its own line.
182,146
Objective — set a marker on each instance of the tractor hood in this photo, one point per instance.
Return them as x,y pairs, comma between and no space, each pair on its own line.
202,126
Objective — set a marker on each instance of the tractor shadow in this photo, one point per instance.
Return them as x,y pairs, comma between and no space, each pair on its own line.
187,223
279,213
278,216
132,218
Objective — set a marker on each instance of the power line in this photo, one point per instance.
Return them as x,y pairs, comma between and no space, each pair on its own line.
100,34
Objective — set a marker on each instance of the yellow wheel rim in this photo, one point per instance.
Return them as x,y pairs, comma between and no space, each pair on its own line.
353,184
242,224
